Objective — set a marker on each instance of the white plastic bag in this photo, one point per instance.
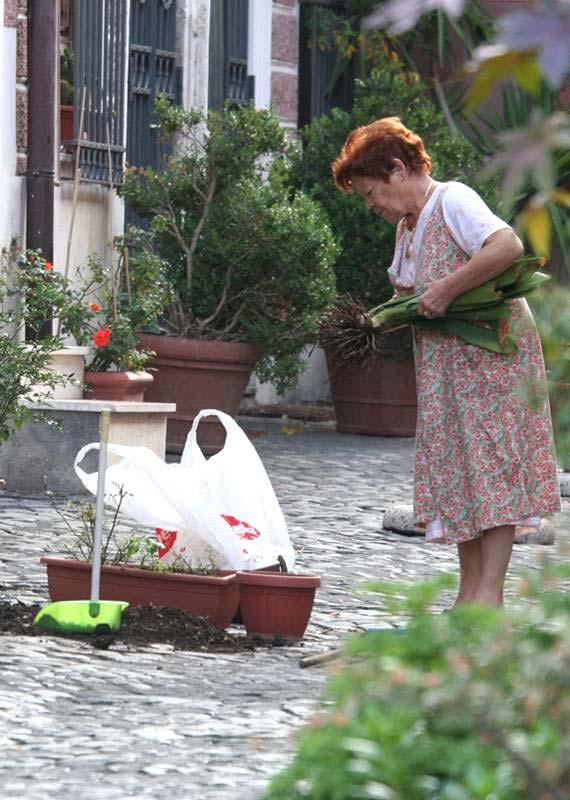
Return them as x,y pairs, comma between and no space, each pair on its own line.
225,502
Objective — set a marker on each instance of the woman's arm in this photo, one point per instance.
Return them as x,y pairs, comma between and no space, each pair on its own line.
497,253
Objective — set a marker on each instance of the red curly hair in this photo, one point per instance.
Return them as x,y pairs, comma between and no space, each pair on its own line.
370,151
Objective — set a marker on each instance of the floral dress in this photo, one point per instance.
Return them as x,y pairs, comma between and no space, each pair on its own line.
484,443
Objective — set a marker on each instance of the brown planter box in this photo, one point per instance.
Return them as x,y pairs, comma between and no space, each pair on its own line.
215,597
276,603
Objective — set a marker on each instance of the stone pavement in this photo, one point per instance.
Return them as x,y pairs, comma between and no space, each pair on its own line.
87,724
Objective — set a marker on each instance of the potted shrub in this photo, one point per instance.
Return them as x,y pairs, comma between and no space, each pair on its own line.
249,261
379,396
131,571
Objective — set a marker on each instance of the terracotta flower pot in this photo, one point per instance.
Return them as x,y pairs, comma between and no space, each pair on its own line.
276,603
378,399
198,374
117,385
214,597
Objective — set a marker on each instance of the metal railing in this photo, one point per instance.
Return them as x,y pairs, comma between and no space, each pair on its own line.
100,42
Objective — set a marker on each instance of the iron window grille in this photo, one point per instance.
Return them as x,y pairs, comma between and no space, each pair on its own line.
152,73
228,78
100,46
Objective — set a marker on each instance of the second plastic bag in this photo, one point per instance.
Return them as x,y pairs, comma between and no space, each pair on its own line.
225,503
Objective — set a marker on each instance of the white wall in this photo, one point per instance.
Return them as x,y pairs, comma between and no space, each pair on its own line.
312,386
98,218
12,188
193,31
259,50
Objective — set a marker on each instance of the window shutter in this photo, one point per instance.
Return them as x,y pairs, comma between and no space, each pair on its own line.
228,78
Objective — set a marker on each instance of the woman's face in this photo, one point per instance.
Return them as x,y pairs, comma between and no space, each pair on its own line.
387,199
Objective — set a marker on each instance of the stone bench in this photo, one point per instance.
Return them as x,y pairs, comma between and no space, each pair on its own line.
39,456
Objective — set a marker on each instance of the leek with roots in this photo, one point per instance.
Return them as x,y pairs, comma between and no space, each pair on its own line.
486,304
478,316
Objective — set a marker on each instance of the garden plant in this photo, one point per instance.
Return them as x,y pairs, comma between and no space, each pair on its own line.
467,705
248,259
31,293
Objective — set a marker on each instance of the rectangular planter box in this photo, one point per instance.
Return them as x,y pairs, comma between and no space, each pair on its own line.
215,597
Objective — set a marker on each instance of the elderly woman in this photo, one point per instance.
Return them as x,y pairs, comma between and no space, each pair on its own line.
485,458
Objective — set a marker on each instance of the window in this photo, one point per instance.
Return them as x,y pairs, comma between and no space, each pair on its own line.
97,43
228,78
152,72
317,96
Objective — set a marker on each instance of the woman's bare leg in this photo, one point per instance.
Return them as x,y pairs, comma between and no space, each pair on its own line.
496,550
470,567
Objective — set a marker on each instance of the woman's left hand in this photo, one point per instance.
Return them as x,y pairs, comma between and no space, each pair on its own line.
435,300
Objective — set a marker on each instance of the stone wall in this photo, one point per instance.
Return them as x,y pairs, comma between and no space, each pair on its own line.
16,16
285,61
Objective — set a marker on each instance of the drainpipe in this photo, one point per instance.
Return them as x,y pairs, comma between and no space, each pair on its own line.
43,47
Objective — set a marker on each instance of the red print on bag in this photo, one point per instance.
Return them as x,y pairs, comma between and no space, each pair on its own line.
166,539
242,529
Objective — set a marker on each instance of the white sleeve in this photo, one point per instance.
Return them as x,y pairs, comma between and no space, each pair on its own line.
468,217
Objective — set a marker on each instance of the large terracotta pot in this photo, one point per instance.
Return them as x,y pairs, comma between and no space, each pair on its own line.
215,597
129,386
377,399
198,374
276,604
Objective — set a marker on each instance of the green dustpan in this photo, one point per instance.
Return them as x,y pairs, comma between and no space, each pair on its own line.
93,615
82,616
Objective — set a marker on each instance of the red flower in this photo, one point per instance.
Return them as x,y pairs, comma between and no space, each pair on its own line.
95,307
102,337
48,265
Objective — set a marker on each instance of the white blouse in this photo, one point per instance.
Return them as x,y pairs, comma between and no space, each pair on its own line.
469,219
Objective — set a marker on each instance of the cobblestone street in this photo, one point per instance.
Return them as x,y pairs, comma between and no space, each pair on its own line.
86,724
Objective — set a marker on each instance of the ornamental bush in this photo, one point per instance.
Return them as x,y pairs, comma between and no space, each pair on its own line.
31,292
247,259
468,705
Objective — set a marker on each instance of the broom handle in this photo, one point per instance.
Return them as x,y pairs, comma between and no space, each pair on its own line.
100,505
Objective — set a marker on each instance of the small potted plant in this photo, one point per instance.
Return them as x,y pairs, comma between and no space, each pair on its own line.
249,261
132,571
125,297
276,604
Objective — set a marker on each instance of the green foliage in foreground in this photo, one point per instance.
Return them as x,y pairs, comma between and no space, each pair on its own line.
469,705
